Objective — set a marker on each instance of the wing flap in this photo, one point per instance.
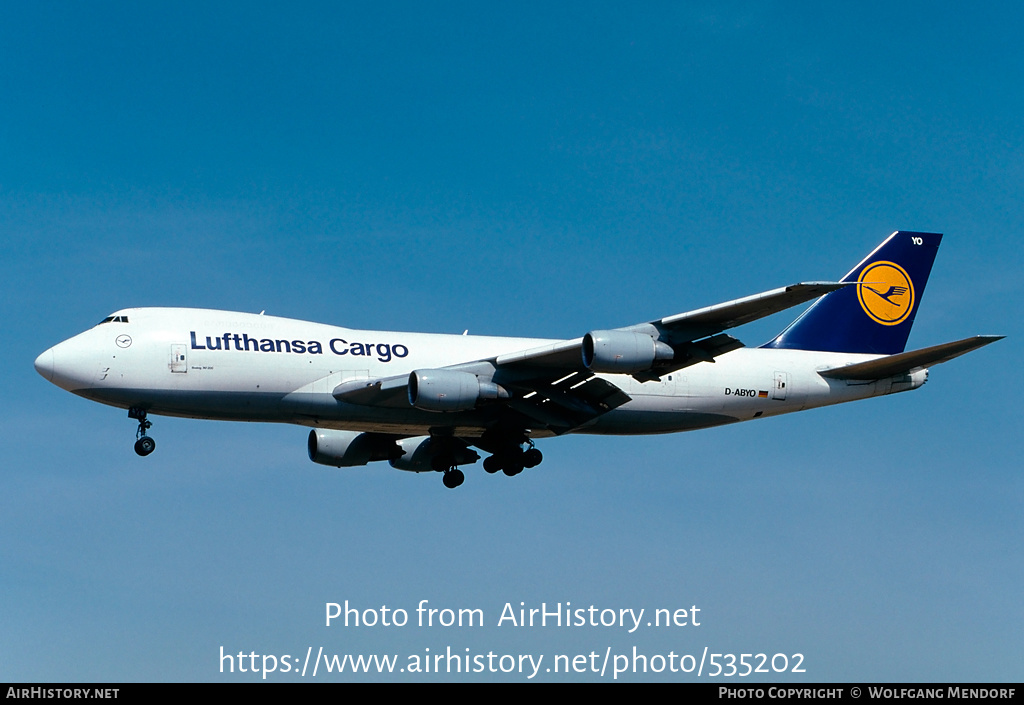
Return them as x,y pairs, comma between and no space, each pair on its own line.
570,402
905,362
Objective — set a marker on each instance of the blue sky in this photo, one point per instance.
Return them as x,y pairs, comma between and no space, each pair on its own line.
522,170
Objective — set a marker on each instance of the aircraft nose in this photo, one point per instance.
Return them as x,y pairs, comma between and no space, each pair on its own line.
44,365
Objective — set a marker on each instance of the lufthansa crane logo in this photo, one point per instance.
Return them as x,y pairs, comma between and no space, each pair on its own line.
886,293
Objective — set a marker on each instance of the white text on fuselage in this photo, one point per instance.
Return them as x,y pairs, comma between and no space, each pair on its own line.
384,352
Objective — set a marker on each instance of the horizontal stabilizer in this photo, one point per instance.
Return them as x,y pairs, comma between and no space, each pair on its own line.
905,362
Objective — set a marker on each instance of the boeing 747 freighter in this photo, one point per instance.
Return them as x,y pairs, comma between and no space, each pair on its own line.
424,402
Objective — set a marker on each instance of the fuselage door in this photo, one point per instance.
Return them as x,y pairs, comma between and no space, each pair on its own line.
179,362
781,382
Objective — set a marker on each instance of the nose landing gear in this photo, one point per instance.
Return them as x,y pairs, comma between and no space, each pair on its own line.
144,445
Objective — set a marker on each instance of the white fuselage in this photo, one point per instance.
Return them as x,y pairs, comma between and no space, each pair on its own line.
237,366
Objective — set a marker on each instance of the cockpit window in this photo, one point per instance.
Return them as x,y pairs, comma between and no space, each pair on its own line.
114,319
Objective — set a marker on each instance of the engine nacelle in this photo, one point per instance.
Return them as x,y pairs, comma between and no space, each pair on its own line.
622,352
348,448
450,390
426,454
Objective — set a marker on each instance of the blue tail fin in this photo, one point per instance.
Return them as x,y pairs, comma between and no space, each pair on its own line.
874,316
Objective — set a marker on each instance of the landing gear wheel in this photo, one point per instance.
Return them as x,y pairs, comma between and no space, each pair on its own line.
453,478
532,458
512,467
492,464
145,445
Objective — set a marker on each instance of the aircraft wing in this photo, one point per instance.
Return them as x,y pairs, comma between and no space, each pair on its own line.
551,387
559,405
905,362
695,333
712,319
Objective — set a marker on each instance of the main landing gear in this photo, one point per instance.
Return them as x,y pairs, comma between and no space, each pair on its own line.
144,445
512,461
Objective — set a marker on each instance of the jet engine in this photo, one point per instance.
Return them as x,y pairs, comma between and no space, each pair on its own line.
425,454
622,352
348,448
450,390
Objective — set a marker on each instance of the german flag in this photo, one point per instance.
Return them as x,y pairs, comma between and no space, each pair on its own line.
762,395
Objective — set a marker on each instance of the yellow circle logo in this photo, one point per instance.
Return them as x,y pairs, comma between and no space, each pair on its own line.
885,293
